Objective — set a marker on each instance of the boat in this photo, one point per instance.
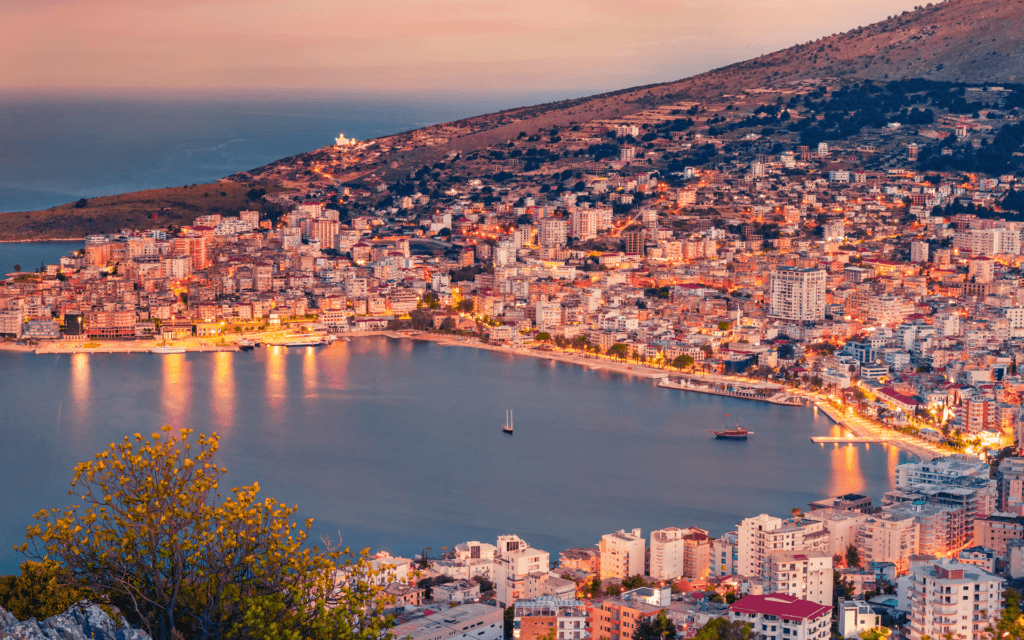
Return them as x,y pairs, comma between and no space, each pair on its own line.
507,427
736,433
166,349
246,345
299,341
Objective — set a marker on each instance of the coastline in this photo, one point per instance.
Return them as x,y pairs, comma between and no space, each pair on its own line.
82,239
857,426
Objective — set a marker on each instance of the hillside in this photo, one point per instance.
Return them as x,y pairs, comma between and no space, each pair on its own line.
138,210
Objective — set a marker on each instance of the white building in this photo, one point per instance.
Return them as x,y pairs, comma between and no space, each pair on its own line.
622,554
952,598
779,616
668,551
763,534
553,232
918,251
804,574
468,622
797,294
513,563
855,617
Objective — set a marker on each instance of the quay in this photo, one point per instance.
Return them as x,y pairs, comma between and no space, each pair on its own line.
764,392
850,440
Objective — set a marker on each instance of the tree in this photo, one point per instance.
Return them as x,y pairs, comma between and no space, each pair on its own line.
510,622
395,325
682,362
448,324
81,203
724,326
852,557
618,350
17,267
633,582
722,629
177,558
659,627
543,336
39,592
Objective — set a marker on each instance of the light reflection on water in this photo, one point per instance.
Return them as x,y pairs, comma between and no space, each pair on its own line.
397,444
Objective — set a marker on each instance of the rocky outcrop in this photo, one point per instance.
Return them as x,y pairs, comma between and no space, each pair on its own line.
83,621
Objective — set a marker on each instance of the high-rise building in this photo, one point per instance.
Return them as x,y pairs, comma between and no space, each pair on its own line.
918,251
538,617
763,534
779,616
679,552
797,294
804,574
553,232
635,241
583,224
514,561
622,554
949,598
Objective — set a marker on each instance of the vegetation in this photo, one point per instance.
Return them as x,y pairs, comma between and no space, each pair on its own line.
659,627
152,533
40,591
722,629
852,557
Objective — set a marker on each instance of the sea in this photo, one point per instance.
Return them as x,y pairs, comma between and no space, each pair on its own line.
397,445
57,149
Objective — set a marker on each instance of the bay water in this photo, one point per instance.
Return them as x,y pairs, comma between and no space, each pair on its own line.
397,444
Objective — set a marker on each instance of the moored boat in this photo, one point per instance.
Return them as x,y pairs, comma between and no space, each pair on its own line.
736,433
507,427
166,349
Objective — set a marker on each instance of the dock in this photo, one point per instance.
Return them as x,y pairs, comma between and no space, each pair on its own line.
854,440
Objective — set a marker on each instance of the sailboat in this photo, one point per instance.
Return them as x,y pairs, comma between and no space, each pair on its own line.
507,428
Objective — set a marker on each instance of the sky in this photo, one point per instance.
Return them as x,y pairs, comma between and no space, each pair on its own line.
395,46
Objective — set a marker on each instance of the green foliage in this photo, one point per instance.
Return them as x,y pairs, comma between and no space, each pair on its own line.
722,629
510,621
485,584
659,627
39,592
619,350
633,582
157,537
1010,625
81,203
613,590
724,326
544,336
682,362
852,557
592,587
878,633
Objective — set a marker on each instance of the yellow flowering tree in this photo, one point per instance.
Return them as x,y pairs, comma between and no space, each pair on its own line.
152,533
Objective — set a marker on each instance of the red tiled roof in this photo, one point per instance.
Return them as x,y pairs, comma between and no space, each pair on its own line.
781,605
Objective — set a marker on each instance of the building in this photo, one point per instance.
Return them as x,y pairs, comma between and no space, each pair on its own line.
763,534
848,502
617,618
469,622
635,241
514,561
997,530
585,559
888,537
1010,485
842,526
724,555
778,616
623,554
918,251
854,617
803,574
457,592
951,598
553,232
668,552
12,322
797,294
537,618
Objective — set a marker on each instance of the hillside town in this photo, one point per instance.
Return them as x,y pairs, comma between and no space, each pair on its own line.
933,560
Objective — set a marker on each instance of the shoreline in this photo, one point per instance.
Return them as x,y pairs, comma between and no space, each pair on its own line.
859,428
82,239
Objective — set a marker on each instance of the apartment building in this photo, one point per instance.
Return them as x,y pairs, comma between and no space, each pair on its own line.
514,561
623,554
763,534
842,526
617,618
797,294
803,574
1010,485
950,597
997,530
888,537
668,553
467,622
724,555
779,616
538,617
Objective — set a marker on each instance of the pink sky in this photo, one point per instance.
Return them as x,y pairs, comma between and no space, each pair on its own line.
400,45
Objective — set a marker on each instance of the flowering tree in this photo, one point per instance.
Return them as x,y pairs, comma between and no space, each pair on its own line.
153,534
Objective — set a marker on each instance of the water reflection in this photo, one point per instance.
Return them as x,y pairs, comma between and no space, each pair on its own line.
177,390
847,476
893,460
276,378
80,382
309,375
223,387
334,364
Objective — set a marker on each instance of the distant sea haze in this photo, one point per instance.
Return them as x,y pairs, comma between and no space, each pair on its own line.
56,150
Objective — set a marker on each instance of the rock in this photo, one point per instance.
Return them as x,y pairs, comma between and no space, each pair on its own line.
83,621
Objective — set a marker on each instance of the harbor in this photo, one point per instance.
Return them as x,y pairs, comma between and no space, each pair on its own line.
762,392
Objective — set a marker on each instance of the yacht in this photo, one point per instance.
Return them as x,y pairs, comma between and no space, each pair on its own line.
507,427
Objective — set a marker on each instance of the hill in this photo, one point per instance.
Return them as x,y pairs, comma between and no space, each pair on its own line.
138,210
